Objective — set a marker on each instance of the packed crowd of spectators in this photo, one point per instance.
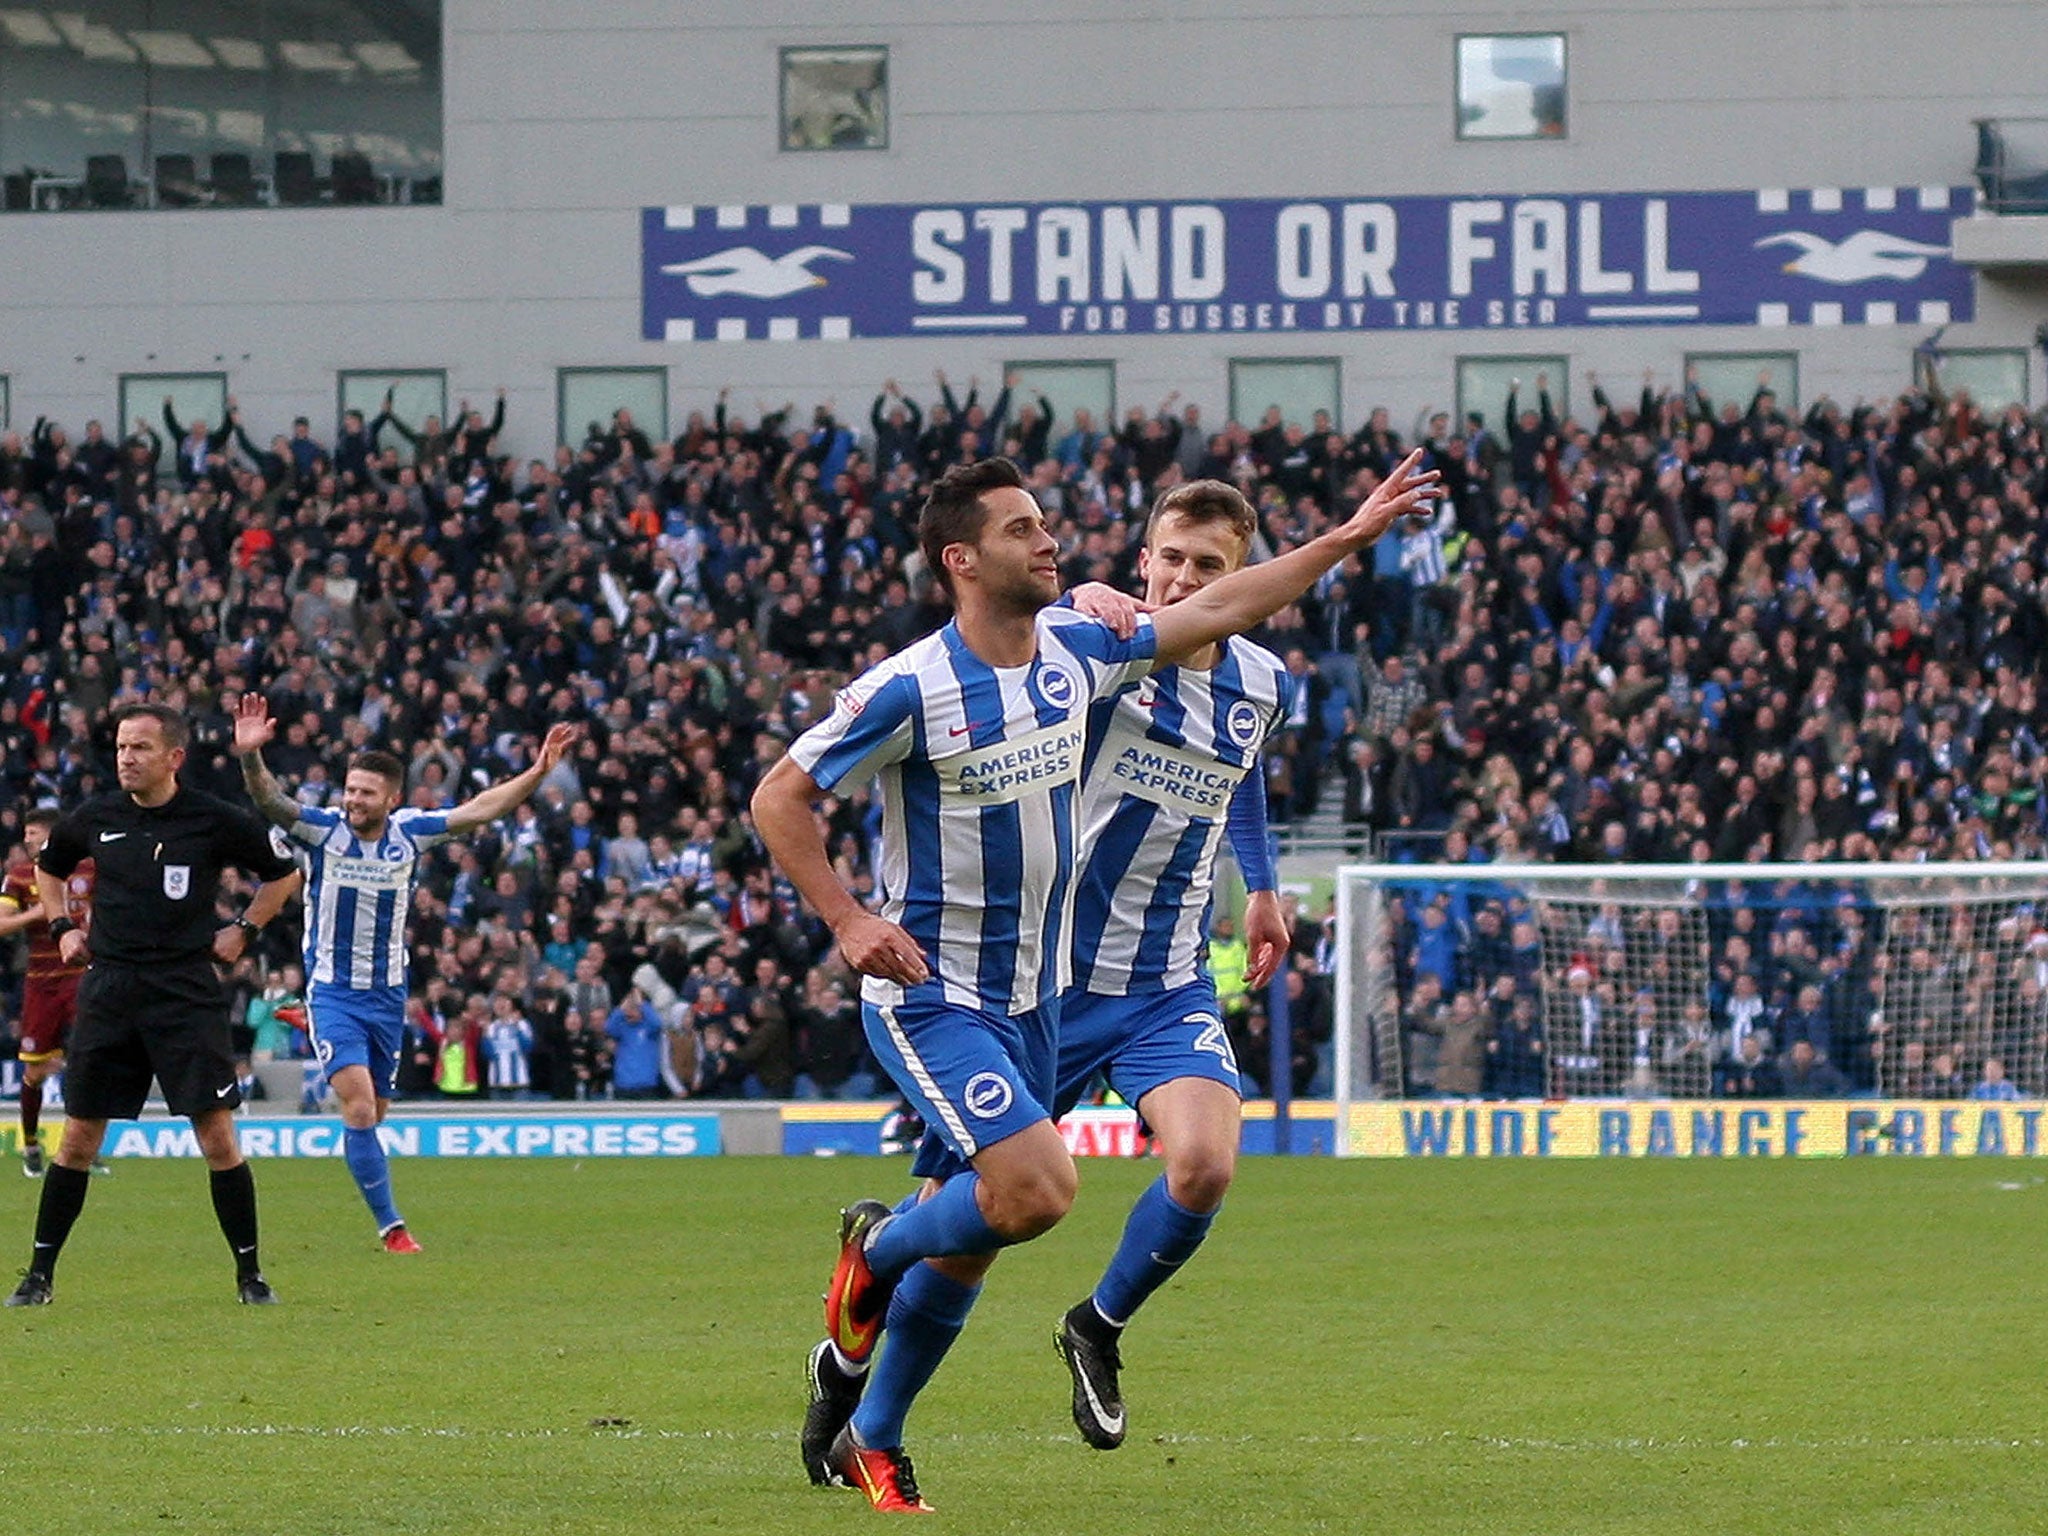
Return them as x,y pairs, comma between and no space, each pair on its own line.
1672,630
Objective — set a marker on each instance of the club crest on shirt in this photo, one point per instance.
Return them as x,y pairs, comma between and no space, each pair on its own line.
177,881
1241,721
1056,687
987,1095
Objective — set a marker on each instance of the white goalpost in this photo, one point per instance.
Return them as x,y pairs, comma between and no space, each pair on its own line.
1623,981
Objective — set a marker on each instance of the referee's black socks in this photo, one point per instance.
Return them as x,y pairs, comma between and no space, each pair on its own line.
234,1205
62,1199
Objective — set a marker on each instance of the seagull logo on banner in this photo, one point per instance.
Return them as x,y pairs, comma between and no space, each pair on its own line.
754,274
1863,257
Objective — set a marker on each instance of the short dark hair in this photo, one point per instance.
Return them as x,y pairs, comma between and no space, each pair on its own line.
383,764
953,513
1207,501
176,731
43,816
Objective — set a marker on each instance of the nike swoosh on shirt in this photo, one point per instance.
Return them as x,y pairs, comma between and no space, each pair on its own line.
221,1093
978,725
112,837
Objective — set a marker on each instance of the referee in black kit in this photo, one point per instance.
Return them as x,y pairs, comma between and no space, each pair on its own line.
152,1004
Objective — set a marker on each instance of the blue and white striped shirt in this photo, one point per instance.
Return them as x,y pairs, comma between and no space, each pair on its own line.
358,895
1163,764
980,768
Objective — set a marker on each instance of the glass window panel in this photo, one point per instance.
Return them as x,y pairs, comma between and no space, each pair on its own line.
1995,379
1484,382
1735,377
588,398
6,403
835,98
195,398
1299,386
1071,387
416,395
147,83
1511,87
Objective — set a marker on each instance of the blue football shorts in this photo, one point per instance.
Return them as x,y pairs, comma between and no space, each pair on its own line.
1142,1041
977,1078
358,1027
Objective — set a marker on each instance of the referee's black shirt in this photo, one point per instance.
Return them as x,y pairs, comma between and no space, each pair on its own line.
158,871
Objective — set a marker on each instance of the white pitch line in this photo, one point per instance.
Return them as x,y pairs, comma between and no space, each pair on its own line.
1624,1445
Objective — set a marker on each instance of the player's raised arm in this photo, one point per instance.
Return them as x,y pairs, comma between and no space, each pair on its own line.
502,798
1247,598
253,730
873,945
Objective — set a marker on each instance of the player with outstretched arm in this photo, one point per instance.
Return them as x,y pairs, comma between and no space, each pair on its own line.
361,864
977,734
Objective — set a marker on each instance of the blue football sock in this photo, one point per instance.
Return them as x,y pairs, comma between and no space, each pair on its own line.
1160,1236
950,1222
372,1172
925,1316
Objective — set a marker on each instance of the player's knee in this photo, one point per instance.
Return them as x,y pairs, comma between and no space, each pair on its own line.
80,1143
1035,1202
1199,1178
359,1114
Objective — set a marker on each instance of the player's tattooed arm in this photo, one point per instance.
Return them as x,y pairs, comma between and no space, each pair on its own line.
253,728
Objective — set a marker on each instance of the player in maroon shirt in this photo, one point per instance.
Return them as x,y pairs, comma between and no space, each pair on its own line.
49,999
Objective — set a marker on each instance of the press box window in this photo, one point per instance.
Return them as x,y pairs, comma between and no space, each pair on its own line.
835,98
419,400
588,399
1511,86
196,399
1070,387
1733,378
1994,379
1484,383
1299,386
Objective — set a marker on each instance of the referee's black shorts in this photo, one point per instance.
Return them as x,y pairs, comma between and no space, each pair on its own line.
168,1022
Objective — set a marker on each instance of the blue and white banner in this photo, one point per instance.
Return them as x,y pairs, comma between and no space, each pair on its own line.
834,271
472,1136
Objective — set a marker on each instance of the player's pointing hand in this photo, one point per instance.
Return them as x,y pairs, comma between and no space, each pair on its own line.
560,739
877,947
1407,490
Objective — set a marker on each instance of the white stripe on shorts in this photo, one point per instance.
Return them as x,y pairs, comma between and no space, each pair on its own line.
961,1135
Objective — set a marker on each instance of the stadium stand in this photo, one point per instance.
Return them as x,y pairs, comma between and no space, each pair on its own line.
1679,628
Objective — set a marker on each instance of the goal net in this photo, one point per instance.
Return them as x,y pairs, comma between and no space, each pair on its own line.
1599,981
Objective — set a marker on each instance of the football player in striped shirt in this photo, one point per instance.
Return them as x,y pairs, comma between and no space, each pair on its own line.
361,864
977,734
1173,767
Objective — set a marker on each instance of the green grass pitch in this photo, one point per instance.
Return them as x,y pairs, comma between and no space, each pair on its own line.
606,1347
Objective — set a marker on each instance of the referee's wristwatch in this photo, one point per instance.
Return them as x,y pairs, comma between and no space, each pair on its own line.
249,929
59,926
